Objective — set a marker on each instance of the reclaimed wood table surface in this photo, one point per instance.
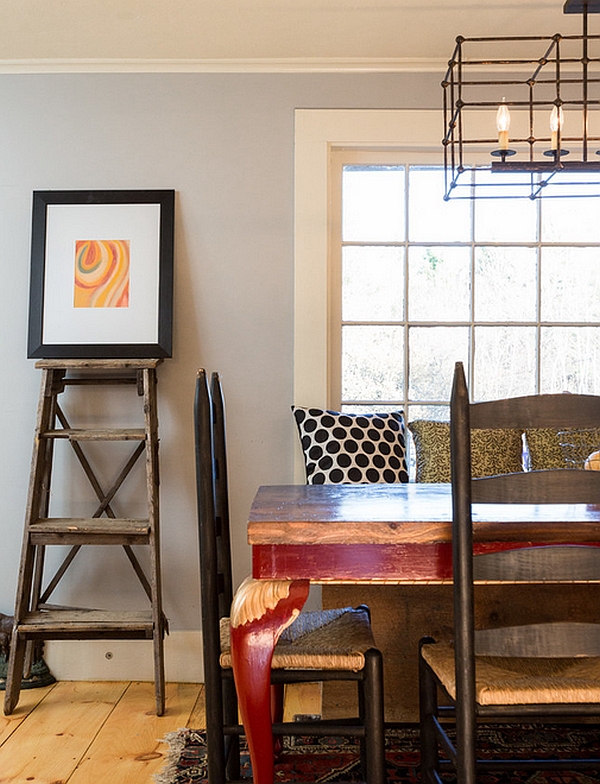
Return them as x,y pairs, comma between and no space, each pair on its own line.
392,534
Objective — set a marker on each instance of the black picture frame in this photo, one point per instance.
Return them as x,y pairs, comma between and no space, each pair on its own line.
62,323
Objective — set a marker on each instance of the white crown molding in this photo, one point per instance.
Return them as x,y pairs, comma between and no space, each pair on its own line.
251,65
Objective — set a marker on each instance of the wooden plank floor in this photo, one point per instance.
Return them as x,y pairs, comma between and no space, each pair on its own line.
80,732
106,733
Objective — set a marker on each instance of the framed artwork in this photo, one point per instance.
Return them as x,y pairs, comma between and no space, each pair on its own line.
101,284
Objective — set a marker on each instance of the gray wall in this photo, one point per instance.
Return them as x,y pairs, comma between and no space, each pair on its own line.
225,143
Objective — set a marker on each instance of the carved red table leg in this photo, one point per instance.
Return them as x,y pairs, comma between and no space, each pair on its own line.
261,610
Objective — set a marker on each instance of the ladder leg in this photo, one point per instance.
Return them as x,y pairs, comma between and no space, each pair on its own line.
16,657
152,481
159,668
40,553
31,566
14,672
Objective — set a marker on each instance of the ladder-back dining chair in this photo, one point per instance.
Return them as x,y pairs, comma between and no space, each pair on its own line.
323,645
540,672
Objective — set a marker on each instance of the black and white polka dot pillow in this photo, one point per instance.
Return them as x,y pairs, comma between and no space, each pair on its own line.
352,448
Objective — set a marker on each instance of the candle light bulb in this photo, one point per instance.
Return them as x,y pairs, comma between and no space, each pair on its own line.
503,124
556,122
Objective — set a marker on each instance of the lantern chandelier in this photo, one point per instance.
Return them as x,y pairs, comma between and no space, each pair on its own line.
541,115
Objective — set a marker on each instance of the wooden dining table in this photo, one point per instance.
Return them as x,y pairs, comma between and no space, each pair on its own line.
375,534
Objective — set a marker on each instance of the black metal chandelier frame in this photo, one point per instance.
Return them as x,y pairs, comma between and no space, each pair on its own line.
539,166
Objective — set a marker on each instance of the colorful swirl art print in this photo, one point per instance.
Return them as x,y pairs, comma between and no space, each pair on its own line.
102,273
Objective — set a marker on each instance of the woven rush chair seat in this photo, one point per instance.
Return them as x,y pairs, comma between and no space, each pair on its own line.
501,680
492,667
324,640
318,646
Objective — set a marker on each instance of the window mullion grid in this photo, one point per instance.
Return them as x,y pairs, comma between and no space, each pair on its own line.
406,292
471,347
538,304
473,245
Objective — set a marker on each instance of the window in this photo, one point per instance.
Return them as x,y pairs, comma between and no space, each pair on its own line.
510,288
316,132
417,132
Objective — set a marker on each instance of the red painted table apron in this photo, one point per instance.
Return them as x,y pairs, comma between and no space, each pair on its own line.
379,534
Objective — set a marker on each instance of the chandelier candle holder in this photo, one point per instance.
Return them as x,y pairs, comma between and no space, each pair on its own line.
544,92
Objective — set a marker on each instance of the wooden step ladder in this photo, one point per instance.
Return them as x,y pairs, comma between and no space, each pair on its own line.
35,619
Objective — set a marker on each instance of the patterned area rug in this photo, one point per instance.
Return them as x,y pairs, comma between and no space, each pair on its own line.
322,760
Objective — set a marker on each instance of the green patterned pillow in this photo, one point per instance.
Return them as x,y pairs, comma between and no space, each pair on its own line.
492,451
545,450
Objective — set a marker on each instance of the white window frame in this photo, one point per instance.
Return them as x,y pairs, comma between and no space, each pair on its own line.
316,132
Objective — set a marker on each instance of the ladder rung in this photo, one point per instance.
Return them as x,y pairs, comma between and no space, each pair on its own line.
91,530
98,364
106,434
86,624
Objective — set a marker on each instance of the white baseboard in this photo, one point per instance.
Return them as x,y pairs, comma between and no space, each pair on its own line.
125,660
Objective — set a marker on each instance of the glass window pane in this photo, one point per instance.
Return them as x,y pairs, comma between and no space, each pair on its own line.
430,218
373,203
490,188
570,220
513,221
504,362
375,408
373,367
438,284
372,283
570,360
505,284
433,352
570,284
437,413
